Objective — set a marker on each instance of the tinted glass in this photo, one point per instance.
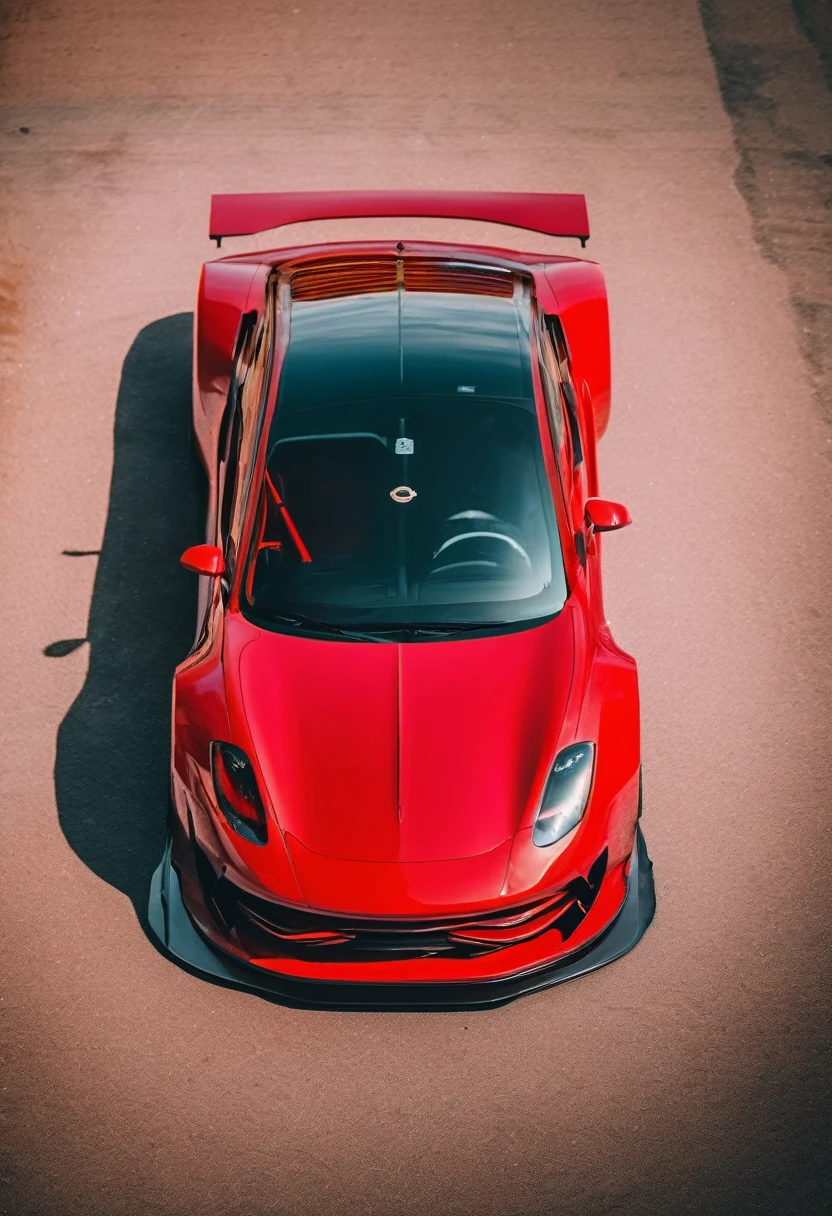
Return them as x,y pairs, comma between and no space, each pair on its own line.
401,488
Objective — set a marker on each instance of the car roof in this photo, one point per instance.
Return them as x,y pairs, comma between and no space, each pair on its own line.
386,328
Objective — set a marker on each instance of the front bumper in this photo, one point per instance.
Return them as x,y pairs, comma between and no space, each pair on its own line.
177,933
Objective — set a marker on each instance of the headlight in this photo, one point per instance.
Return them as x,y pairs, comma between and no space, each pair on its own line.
566,793
238,797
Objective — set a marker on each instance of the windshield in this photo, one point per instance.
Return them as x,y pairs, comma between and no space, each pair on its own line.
406,512
405,484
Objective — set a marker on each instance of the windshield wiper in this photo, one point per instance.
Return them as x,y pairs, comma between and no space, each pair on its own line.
308,622
385,633
438,631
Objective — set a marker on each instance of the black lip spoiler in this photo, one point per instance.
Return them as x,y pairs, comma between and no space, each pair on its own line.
176,932
551,214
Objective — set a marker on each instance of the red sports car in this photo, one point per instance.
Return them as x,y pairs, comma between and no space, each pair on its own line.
405,762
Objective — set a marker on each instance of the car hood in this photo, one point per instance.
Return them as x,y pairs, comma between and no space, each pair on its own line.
414,752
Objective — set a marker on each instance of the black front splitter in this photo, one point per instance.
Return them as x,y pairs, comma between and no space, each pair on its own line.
177,933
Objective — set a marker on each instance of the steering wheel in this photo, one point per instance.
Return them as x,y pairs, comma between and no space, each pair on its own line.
476,544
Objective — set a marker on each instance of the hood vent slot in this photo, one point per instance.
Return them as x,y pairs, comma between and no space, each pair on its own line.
331,279
457,277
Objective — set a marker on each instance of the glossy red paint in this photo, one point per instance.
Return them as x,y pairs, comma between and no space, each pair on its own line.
401,780
399,752
605,516
552,214
221,302
203,559
579,297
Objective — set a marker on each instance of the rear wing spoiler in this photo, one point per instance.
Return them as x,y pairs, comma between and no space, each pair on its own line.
551,214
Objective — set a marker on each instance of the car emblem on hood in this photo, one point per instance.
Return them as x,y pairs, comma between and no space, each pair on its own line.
402,494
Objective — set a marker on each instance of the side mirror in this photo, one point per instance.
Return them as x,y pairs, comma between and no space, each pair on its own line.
203,559
604,516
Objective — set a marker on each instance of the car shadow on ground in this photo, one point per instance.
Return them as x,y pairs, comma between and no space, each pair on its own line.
112,774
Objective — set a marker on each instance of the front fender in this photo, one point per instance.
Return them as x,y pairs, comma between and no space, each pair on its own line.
201,715
609,717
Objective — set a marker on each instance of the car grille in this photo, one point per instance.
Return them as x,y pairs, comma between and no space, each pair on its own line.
263,925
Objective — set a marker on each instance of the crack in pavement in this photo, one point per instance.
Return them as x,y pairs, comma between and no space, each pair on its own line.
770,59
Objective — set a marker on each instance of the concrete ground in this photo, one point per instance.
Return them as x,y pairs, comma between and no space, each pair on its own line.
693,1075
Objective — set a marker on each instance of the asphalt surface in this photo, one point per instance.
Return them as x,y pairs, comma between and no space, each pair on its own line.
691,1076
